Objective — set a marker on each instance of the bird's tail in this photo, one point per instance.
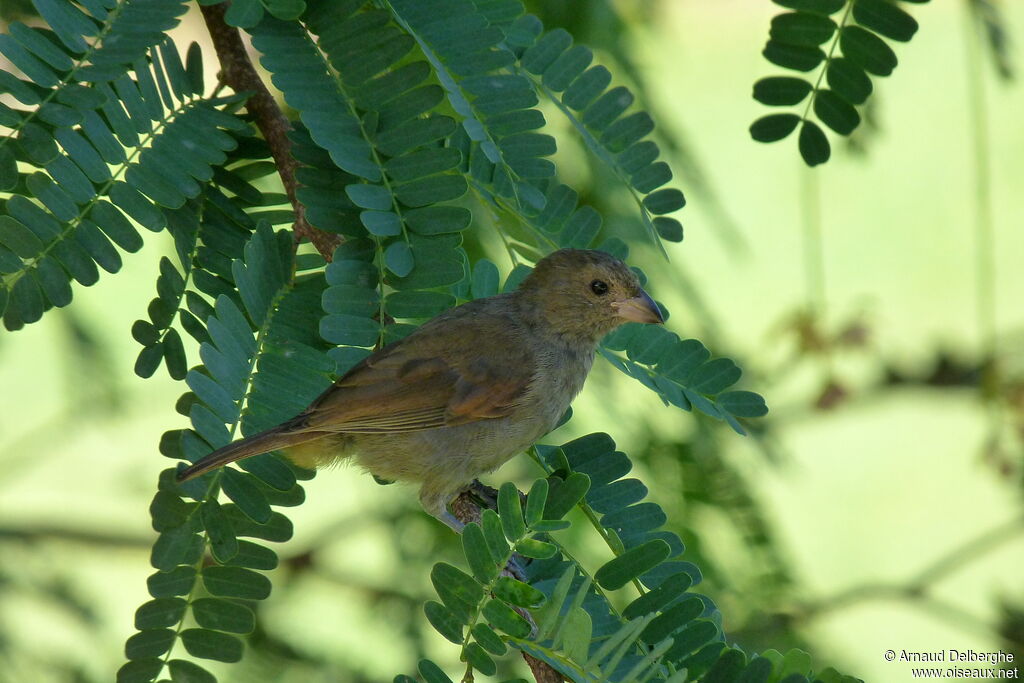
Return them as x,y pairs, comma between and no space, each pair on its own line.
269,440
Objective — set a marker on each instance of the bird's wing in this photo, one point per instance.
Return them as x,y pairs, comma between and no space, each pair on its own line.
429,380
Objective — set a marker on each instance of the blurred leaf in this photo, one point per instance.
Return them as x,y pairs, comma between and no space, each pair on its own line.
802,28
867,50
814,147
781,90
797,57
835,112
886,18
773,127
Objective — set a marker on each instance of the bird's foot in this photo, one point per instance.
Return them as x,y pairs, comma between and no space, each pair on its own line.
451,521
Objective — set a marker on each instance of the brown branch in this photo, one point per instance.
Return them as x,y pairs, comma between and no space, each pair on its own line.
238,72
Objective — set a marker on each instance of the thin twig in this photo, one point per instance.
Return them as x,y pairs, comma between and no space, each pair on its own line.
238,72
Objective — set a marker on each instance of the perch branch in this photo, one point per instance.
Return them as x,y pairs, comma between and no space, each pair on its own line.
238,72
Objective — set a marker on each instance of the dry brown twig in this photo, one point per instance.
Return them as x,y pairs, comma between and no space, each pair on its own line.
237,71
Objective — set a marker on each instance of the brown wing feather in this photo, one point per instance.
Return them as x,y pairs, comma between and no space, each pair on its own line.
424,381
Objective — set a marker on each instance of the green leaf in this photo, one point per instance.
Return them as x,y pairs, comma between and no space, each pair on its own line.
8,168
819,6
485,279
235,582
140,670
223,615
781,90
504,618
814,147
37,144
254,556
659,598
432,673
278,529
213,395
773,127
586,87
432,189
176,546
436,220
577,634
669,229
535,502
458,590
835,112
494,534
369,196
673,619
177,581
350,330
616,495
242,489
518,593
664,201
355,300
886,18
18,238
223,542
160,613
542,54
848,80
538,550
796,662
728,667
759,670
422,163
150,643
621,570
569,65
867,50
565,495
398,258
188,672
480,660
418,303
444,621
381,223
802,28
489,640
714,376
797,57
207,644
635,520
478,553
581,228
511,512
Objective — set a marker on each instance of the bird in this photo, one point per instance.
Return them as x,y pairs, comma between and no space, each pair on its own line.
467,390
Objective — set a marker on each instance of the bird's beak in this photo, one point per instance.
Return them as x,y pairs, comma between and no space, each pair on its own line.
639,309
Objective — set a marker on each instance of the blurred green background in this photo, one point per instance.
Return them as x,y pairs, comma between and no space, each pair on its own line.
891,460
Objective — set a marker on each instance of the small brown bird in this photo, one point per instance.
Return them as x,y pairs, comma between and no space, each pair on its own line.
467,390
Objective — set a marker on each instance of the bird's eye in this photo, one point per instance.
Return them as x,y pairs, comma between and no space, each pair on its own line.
599,287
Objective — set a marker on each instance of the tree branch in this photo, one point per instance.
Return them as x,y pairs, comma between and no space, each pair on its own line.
238,72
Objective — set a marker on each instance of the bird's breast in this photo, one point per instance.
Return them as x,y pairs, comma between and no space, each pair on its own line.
559,378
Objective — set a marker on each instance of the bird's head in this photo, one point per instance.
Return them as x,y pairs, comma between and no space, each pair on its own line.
585,294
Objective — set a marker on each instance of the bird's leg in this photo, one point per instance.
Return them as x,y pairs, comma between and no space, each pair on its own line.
436,506
450,520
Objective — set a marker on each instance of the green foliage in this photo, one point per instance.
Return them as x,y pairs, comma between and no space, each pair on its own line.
413,117
563,615
796,41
